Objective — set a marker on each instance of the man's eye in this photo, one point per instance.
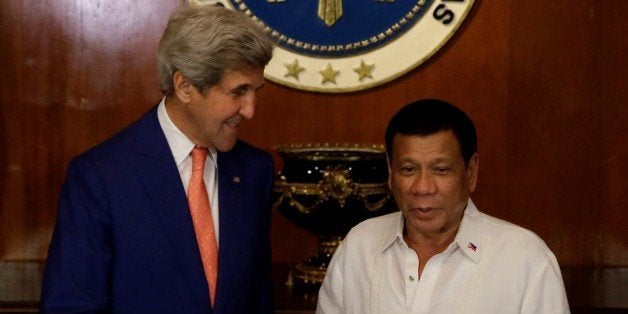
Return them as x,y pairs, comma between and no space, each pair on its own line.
441,170
406,170
238,92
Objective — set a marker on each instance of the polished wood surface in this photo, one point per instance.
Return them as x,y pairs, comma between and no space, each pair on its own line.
73,72
545,82
589,289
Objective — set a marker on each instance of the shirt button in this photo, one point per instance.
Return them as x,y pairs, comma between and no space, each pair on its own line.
411,278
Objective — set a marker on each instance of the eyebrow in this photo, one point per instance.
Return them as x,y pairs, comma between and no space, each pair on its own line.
246,86
434,161
260,87
442,159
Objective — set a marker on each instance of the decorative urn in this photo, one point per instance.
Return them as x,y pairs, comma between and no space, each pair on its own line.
327,189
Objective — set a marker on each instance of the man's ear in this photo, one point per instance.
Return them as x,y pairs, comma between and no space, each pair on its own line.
472,171
182,87
389,172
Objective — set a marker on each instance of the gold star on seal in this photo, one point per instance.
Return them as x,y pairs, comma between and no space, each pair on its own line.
294,69
329,74
364,70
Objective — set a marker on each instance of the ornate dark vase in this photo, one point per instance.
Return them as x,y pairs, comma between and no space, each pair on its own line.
327,189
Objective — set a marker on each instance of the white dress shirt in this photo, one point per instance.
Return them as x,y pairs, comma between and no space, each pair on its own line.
181,148
492,266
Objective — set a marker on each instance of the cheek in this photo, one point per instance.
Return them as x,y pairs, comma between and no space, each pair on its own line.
217,115
394,185
456,189
447,188
399,191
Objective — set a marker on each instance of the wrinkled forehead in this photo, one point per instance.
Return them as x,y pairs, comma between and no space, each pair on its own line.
443,142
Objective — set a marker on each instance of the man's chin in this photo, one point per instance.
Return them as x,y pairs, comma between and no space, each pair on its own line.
225,146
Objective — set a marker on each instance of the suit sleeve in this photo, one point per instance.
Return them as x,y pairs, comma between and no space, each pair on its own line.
78,268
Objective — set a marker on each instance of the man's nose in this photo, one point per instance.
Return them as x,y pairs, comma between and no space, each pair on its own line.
424,184
248,107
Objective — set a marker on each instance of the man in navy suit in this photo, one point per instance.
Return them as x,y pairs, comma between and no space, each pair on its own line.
124,239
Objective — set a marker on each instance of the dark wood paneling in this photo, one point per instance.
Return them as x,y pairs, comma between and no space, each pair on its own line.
73,72
589,289
546,86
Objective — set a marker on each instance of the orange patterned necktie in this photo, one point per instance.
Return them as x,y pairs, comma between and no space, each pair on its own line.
202,219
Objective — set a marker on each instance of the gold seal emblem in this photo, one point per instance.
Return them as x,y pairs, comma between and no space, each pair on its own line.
336,46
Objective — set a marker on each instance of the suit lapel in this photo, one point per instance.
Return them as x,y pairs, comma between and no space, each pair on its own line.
167,198
231,198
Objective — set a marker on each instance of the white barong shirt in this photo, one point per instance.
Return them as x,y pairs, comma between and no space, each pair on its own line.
492,266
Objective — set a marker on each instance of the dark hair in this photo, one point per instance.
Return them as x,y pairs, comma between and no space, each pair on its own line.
429,116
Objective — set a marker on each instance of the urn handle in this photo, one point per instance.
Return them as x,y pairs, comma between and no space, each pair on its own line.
337,185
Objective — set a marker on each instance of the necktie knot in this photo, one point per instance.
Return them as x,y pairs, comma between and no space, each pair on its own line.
199,155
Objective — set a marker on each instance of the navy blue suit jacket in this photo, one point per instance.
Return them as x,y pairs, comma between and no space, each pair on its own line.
124,240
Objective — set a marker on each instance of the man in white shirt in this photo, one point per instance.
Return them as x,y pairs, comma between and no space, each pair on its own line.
439,254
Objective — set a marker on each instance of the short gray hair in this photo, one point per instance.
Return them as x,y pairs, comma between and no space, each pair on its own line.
204,42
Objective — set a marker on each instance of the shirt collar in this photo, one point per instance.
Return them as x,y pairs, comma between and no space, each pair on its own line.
180,145
468,238
394,233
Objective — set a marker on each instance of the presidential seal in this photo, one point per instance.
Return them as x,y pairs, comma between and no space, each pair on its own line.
340,45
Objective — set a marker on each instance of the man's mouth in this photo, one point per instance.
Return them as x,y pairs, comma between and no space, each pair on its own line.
233,124
424,212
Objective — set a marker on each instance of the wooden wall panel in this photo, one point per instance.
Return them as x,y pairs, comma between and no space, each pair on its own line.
537,79
73,72
559,124
545,82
